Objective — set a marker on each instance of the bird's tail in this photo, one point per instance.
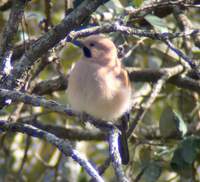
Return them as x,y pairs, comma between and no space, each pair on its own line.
122,140
123,147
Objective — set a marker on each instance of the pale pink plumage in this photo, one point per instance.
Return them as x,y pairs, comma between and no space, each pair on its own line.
99,85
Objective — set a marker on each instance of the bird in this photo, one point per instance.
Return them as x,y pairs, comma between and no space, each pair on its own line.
99,85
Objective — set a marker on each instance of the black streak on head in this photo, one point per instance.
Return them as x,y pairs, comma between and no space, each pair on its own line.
87,53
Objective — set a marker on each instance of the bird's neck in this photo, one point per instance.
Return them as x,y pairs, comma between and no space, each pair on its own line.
110,60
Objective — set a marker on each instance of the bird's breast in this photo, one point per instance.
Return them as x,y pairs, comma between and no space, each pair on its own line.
96,90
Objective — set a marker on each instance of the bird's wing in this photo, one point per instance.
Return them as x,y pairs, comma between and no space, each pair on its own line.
123,77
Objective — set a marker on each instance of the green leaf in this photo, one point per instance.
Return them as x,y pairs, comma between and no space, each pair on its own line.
69,54
185,155
137,3
152,172
190,148
181,126
157,23
145,155
123,2
171,124
154,62
186,103
179,165
115,5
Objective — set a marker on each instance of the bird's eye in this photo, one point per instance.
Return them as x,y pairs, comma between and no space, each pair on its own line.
92,44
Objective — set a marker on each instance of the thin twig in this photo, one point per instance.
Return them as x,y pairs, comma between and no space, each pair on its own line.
130,31
28,143
185,60
155,92
48,21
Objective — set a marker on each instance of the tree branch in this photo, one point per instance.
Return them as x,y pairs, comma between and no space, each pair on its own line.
10,30
115,156
135,74
63,145
155,6
17,96
66,133
50,39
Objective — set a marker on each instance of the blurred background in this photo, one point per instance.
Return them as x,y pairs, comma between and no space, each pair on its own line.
165,144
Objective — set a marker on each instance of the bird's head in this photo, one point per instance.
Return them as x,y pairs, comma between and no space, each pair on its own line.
99,49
